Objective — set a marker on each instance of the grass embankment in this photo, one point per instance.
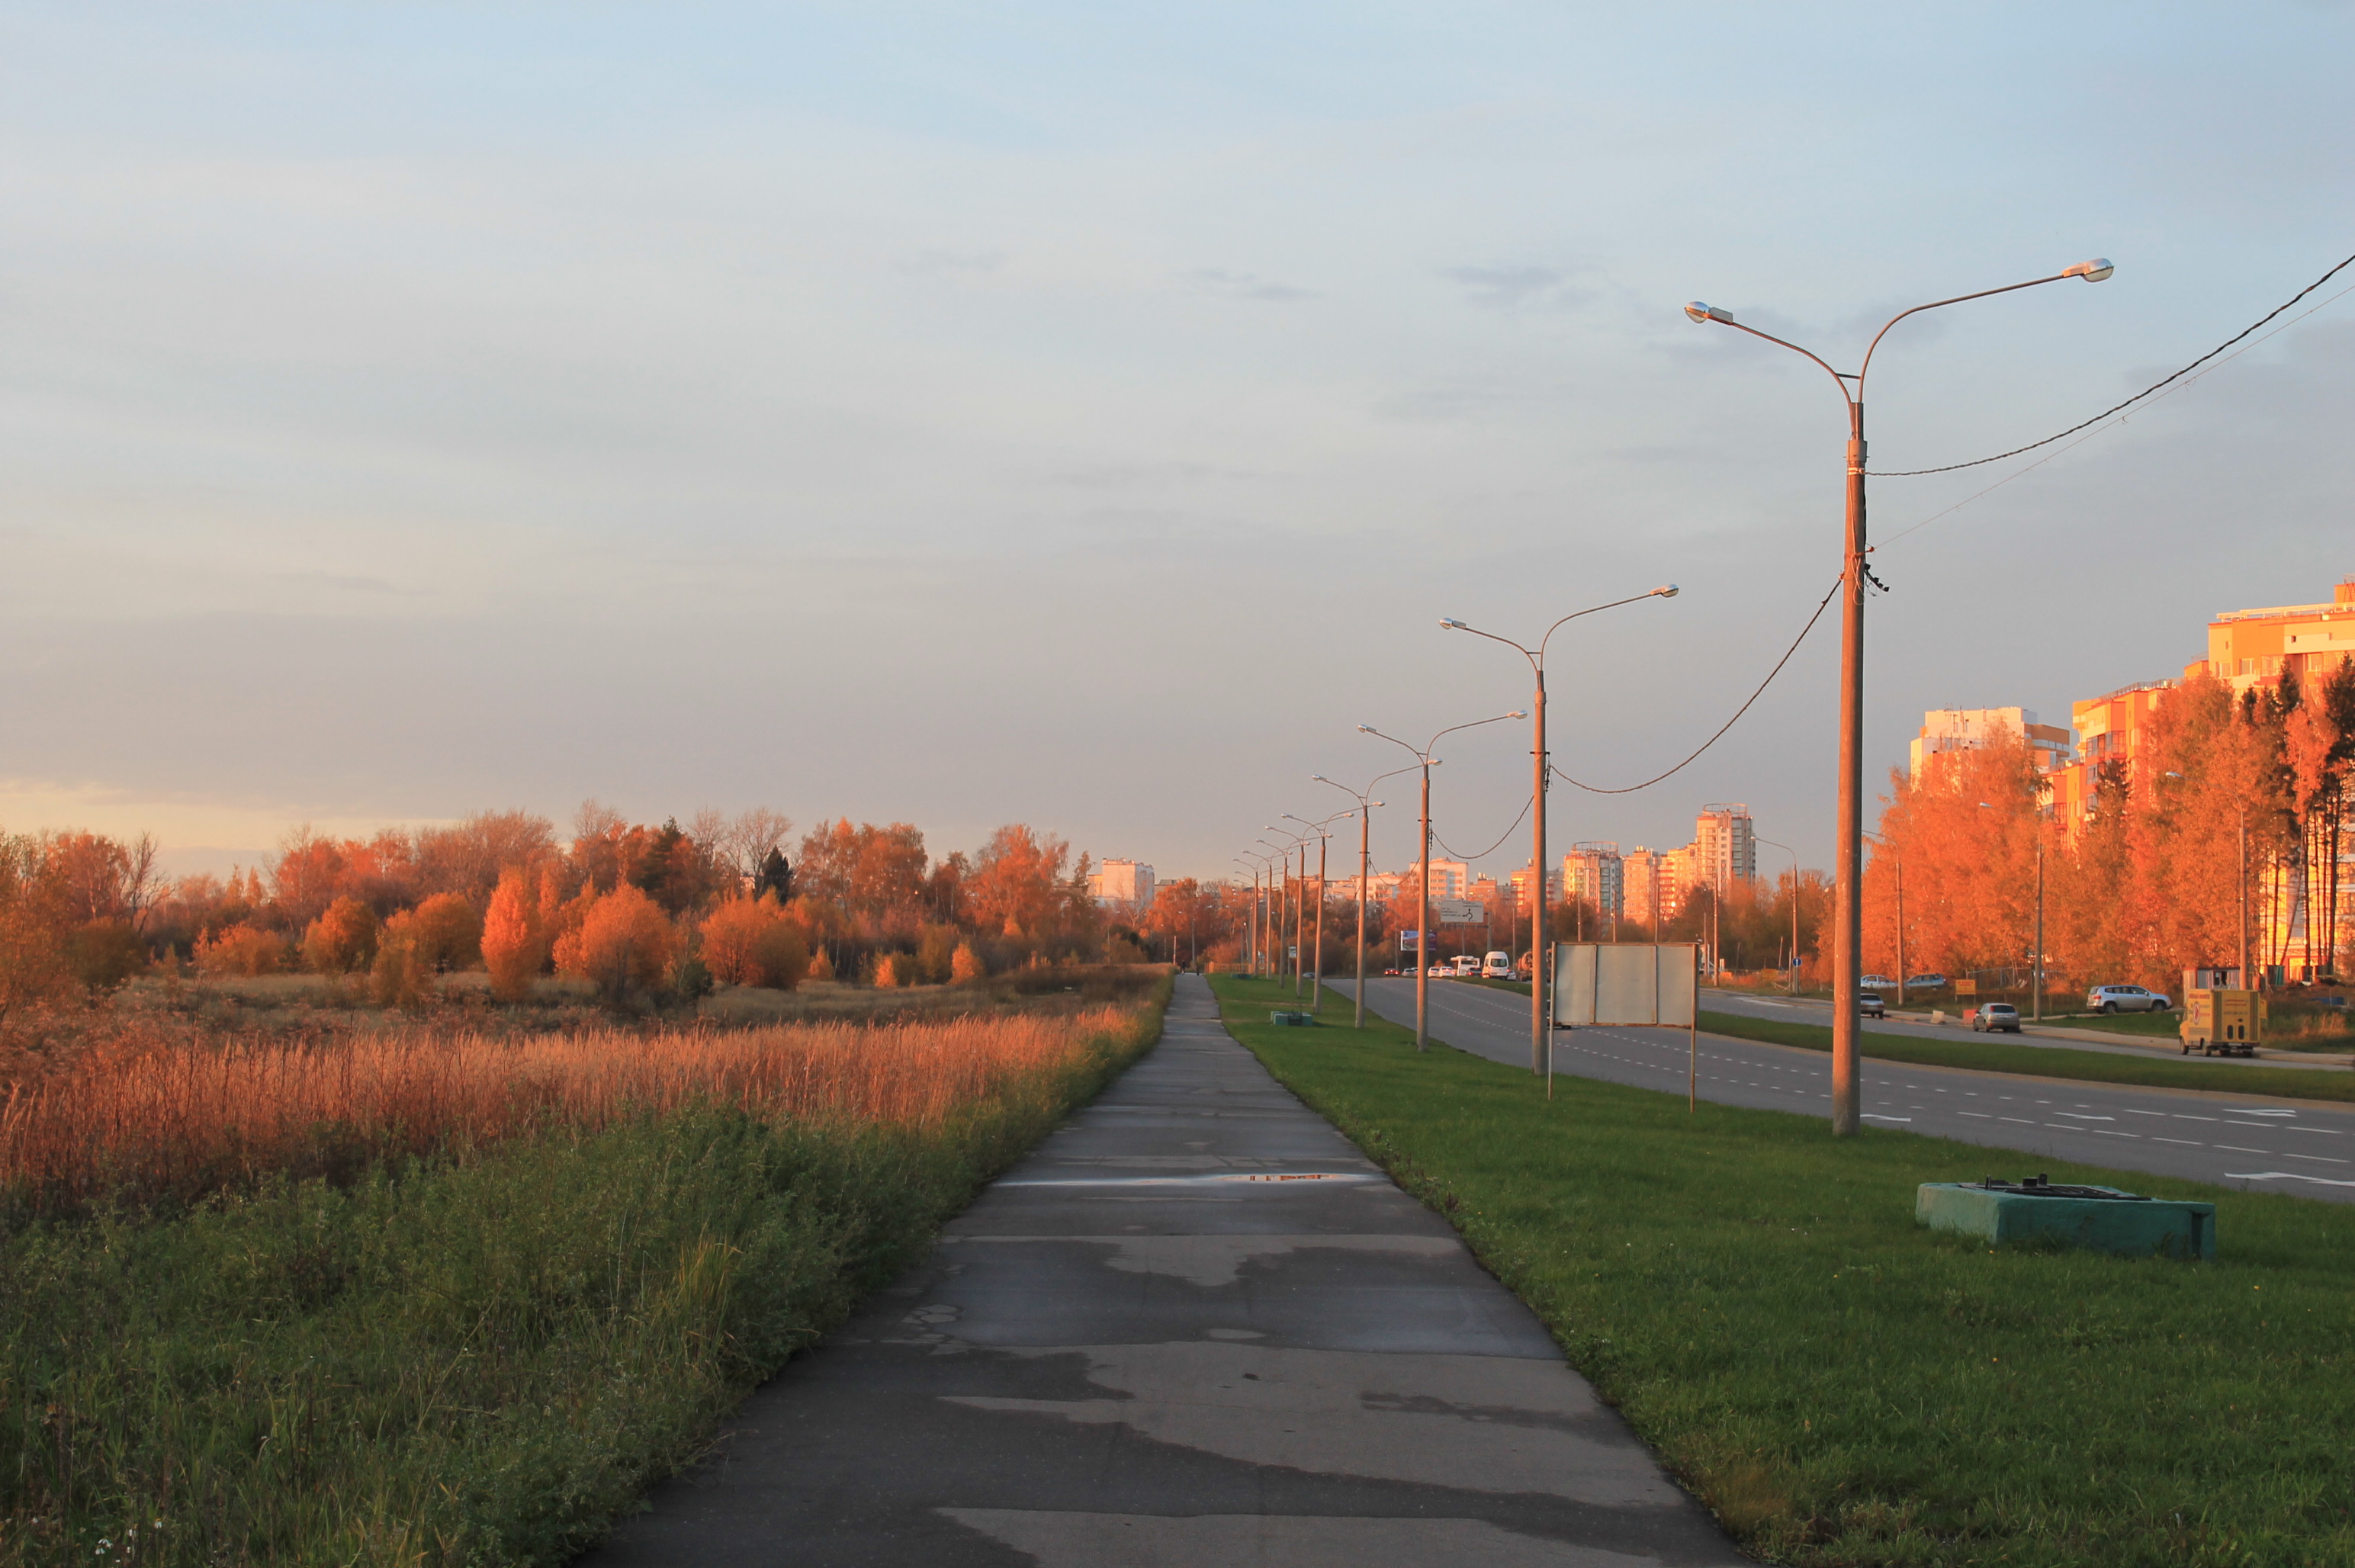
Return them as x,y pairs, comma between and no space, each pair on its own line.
1844,1388
1988,1054
479,1353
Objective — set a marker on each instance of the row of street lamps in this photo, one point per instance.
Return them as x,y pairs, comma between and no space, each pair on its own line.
1847,926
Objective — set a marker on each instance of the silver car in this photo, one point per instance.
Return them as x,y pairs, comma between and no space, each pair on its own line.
2125,999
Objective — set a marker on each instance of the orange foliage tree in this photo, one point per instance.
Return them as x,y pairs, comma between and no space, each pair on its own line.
753,942
342,939
243,950
623,944
515,945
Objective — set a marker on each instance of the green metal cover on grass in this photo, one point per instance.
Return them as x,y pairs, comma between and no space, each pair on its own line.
1309,1018
2132,1227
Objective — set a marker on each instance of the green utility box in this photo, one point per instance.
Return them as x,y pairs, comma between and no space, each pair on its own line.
2100,1218
1295,1019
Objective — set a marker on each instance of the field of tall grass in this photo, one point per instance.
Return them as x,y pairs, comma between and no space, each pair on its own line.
444,1298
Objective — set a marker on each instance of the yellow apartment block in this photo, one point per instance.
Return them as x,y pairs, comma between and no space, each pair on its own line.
2249,648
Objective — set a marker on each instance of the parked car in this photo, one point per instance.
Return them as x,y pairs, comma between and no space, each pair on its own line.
1440,971
2125,999
1877,983
1995,1018
1867,1004
1497,966
1926,983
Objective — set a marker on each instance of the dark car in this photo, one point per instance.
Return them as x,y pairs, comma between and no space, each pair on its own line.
1867,1003
1995,1018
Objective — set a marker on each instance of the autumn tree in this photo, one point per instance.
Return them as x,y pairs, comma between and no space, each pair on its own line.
342,939
514,943
624,942
753,942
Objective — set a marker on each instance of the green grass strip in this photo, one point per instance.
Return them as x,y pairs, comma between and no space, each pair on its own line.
1844,1388
1988,1055
479,1359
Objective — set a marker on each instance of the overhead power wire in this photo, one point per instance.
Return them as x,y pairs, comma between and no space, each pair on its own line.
2121,408
1730,723
2026,469
1492,848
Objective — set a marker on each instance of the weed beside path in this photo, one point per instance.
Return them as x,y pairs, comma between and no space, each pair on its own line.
1843,1388
480,1355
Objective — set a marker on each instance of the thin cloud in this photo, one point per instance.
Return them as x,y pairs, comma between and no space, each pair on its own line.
1518,287
1246,286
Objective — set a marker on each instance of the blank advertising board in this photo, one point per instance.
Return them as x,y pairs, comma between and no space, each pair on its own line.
1624,983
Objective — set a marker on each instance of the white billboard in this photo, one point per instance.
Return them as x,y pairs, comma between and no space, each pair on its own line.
1626,983
1459,912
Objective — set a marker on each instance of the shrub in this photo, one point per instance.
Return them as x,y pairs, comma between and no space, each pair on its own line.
33,968
821,967
398,978
894,969
624,942
241,949
965,966
936,954
105,953
342,939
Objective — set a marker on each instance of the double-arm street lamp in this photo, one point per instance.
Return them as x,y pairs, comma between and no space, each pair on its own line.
1365,803
1427,762
1847,931
1540,938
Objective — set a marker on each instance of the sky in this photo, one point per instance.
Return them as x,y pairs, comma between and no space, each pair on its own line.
1085,415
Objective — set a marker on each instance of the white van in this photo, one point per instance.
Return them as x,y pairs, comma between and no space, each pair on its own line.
1497,967
1466,966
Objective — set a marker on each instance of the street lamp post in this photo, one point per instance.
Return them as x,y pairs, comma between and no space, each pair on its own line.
1366,803
1277,913
1848,931
1299,914
1427,762
1540,936
1316,982
1795,905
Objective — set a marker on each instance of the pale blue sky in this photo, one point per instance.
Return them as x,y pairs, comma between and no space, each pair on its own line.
962,414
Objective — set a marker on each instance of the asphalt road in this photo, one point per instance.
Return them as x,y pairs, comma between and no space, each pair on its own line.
2234,1140
1196,1325
1807,1009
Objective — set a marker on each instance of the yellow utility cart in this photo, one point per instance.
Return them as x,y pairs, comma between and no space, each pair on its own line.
2219,1022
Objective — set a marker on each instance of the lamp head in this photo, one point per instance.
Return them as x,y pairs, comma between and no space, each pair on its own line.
1318,778
1706,312
2092,272
1666,591
1517,714
1365,728
1453,625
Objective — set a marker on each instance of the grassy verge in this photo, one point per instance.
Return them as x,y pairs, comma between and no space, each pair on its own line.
1843,1388
478,1358
1988,1055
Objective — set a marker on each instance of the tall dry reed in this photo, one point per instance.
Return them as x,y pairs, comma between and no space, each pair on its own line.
180,1118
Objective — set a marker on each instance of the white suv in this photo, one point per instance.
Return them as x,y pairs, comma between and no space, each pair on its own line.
2125,999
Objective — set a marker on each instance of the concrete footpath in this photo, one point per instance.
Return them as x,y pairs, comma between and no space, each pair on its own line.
1195,1327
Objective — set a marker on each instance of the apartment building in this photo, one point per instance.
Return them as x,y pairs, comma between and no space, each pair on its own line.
2110,729
1653,883
2249,648
1724,849
1967,729
1594,871
1122,884
1520,883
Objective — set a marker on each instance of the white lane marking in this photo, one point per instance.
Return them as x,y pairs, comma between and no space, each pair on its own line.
2132,1112
2180,1116
1977,1116
2236,1148
1876,1116
2068,1128
2327,1132
2186,1143
2284,1176
2081,1116
2107,1134
2320,1159
2245,1111
2021,1120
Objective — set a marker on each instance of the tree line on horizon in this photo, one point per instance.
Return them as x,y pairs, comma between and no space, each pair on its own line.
629,906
